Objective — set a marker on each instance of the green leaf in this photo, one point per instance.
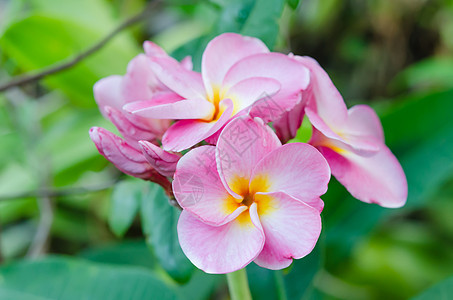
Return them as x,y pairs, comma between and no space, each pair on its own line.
17,295
159,221
293,3
65,278
257,18
299,281
124,205
60,38
263,21
440,291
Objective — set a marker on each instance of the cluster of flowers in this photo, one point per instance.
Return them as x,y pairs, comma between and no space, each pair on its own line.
245,196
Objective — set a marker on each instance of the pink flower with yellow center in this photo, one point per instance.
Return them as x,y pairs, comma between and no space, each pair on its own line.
238,75
352,141
249,199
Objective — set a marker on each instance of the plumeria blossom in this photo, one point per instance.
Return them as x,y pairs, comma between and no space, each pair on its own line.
249,199
138,154
352,141
238,75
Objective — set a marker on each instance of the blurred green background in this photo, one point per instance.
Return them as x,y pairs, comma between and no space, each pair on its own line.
73,227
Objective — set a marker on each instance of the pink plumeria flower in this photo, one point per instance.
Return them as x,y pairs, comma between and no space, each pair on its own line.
111,94
238,75
249,199
353,143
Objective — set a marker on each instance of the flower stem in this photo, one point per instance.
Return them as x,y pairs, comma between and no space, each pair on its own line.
238,285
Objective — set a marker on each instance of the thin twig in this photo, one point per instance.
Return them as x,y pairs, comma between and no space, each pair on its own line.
68,63
57,192
39,243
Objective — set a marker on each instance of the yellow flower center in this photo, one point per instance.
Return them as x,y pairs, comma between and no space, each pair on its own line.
248,192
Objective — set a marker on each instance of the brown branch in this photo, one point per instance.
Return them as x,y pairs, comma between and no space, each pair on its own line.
69,63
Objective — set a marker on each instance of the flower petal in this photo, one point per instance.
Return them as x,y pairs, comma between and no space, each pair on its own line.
188,84
322,95
373,179
248,91
179,109
198,188
107,92
186,133
297,169
241,145
362,145
291,229
221,249
140,83
125,157
132,130
363,121
287,125
164,162
224,51
292,75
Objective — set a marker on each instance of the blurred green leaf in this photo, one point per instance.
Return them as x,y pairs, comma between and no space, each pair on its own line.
263,21
124,206
299,280
431,73
293,3
416,118
41,40
441,291
128,252
262,282
18,295
65,278
258,18
159,221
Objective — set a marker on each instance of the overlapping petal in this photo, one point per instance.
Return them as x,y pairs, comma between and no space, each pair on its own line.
164,162
241,145
297,169
125,157
186,133
221,249
376,179
291,228
198,189
222,53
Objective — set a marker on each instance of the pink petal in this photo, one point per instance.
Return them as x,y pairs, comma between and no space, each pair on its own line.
363,121
291,74
187,64
152,49
164,162
182,109
287,125
373,179
224,51
241,145
248,91
186,133
297,169
291,229
125,157
140,83
362,145
198,188
107,92
186,83
323,96
221,249
131,130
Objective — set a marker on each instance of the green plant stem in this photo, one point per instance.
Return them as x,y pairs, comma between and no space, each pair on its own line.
238,285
